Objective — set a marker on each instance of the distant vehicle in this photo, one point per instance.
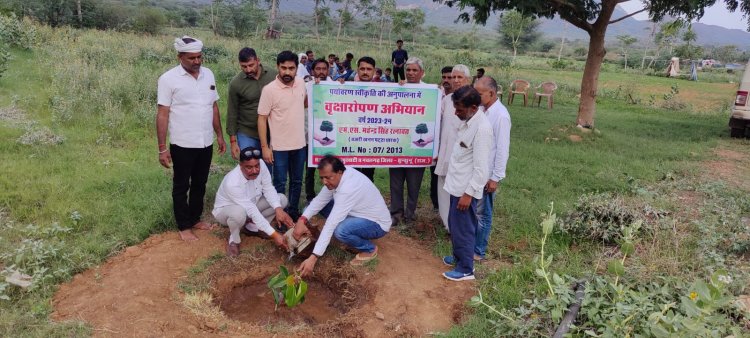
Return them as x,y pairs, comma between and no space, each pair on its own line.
734,66
740,119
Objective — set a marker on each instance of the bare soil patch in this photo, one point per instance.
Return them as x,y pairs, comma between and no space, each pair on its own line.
137,293
730,165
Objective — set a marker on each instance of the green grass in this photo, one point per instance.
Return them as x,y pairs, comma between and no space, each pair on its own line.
107,168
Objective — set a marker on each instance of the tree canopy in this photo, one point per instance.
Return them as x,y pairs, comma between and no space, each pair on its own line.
592,16
517,31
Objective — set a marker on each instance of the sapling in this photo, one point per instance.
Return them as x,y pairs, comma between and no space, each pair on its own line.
547,226
287,287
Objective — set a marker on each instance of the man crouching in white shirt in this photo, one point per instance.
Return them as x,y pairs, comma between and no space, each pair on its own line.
354,209
247,199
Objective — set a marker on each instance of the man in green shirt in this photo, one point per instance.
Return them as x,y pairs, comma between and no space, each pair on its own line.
242,101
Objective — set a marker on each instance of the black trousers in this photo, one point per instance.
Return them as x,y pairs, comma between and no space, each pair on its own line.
310,183
433,188
398,71
369,172
190,167
413,179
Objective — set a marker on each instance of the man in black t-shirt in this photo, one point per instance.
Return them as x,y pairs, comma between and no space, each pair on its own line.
398,59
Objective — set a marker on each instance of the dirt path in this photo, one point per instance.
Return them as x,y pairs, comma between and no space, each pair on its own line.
136,293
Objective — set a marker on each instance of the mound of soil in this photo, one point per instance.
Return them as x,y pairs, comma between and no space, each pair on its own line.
137,293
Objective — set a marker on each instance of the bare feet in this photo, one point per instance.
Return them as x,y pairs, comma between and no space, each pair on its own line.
188,235
204,226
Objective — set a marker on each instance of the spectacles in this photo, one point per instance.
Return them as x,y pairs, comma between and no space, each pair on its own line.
254,153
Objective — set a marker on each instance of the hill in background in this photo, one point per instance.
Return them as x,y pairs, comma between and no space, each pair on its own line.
443,16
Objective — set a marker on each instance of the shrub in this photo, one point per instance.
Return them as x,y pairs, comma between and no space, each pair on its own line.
615,307
17,33
212,54
148,20
601,217
560,64
4,59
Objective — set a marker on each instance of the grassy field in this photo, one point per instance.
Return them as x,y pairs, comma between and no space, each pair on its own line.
66,207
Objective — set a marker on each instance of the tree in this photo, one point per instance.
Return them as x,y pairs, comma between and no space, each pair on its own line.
517,31
351,9
593,17
273,13
625,42
385,11
727,54
236,18
147,20
688,50
408,20
321,15
326,126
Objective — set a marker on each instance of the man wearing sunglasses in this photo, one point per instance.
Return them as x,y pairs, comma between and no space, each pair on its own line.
247,202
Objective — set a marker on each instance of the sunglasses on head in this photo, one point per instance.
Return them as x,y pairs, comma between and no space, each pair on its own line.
252,153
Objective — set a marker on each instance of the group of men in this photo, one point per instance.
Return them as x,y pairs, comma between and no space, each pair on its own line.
267,128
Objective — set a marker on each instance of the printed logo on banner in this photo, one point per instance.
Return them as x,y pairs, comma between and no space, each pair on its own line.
374,124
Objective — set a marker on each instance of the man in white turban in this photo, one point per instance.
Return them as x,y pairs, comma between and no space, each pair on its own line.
187,109
302,68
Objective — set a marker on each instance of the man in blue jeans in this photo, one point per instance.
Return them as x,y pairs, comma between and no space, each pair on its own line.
282,108
499,119
465,181
354,209
242,101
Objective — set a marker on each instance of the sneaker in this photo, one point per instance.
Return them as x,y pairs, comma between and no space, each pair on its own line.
458,276
449,260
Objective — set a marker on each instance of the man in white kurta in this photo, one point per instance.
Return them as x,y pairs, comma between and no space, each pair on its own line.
449,124
247,198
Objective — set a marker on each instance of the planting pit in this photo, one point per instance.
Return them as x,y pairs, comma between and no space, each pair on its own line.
168,288
252,302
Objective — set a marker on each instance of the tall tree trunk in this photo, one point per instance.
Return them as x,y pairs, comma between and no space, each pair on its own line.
80,14
212,18
272,15
341,19
590,80
515,50
382,27
317,19
562,41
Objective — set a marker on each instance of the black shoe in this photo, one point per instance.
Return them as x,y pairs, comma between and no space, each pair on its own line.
259,234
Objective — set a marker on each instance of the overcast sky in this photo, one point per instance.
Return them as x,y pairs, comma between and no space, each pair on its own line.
716,15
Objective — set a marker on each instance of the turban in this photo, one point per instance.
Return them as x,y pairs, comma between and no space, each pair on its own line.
192,47
300,56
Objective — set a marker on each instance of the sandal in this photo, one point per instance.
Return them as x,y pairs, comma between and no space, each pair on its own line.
361,260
